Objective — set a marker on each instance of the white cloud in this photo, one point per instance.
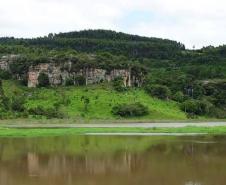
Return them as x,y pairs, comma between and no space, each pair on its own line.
193,22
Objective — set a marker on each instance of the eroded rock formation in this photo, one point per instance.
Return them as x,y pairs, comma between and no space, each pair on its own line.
5,61
59,73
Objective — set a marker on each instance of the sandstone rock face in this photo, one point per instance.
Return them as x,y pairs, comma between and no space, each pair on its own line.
6,60
32,79
58,74
52,70
93,76
4,65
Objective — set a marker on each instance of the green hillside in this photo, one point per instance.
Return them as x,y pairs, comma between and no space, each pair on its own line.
195,79
102,98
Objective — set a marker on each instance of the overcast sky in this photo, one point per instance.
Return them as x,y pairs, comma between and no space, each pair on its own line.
192,22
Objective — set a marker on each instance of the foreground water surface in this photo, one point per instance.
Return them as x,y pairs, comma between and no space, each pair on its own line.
113,160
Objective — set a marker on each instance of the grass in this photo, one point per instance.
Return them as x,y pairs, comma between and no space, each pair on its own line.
40,132
101,100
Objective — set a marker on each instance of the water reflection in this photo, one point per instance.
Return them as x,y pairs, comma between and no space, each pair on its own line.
93,160
192,183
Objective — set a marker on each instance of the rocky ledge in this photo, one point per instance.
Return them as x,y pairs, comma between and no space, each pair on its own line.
59,72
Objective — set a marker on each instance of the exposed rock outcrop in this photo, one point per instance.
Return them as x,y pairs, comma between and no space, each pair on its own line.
5,61
54,73
58,74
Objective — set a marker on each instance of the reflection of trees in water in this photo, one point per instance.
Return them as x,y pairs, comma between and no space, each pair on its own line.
33,164
124,162
192,183
3,177
176,162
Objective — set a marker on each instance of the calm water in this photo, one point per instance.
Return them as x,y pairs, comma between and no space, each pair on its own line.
113,160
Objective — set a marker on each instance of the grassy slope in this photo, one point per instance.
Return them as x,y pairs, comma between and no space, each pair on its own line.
102,99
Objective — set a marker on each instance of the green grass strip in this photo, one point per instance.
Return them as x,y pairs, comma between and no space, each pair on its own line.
41,132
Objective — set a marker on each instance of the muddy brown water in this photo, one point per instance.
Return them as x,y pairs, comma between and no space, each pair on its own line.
113,160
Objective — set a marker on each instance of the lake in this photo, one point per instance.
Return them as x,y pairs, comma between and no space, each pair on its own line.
113,160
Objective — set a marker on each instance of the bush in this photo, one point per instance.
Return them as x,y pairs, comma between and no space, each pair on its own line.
217,113
18,104
5,75
86,102
130,110
47,112
179,97
69,82
43,80
198,91
80,80
118,84
5,115
159,91
4,101
24,81
196,107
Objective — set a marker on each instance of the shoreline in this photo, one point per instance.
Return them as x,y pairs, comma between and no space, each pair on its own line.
79,121
67,127
47,132
105,124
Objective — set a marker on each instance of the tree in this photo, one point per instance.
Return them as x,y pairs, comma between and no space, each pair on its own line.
4,101
196,107
43,80
179,97
118,84
159,91
5,75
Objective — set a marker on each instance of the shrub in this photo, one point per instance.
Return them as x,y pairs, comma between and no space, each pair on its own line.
5,75
130,110
18,104
217,113
4,101
220,98
159,91
198,91
196,107
86,102
24,81
69,82
179,97
47,112
118,84
43,80
80,80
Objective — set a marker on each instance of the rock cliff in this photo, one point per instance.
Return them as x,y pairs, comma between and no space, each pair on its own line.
5,61
59,72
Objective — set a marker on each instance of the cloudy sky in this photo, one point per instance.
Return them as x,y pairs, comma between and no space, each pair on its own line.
192,22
